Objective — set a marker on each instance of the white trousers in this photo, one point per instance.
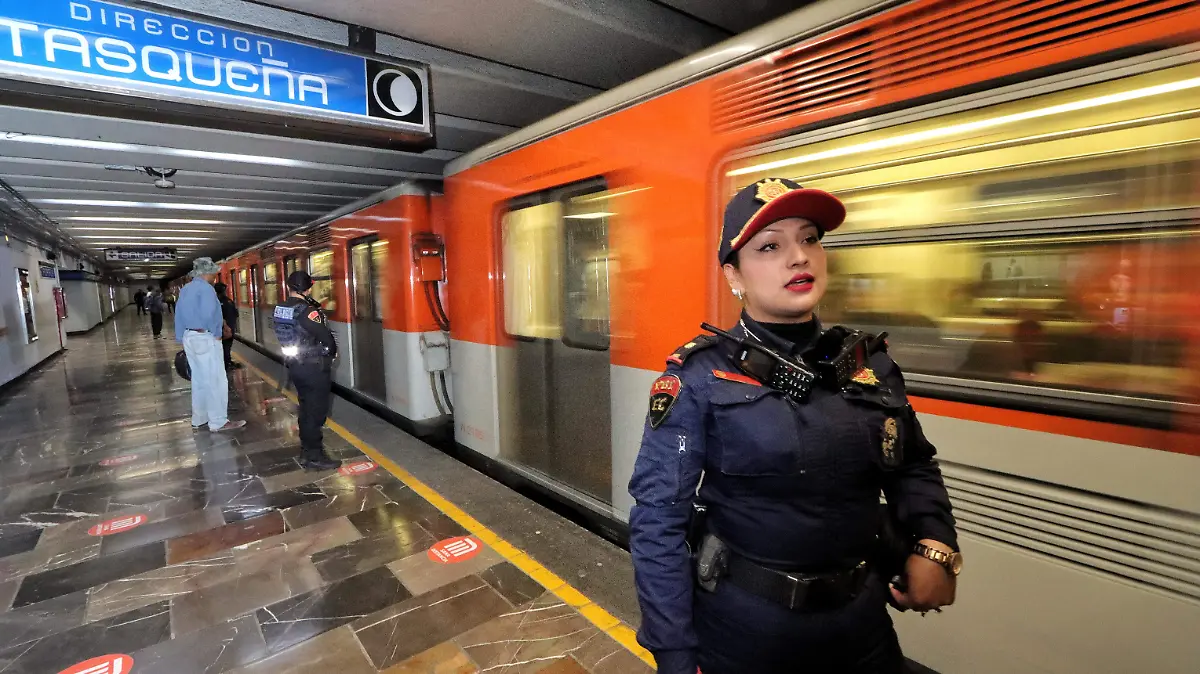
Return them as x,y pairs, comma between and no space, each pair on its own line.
210,386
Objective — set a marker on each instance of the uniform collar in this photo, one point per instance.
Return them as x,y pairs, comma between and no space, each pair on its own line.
753,329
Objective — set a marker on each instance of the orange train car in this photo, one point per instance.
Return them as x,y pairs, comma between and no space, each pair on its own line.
1022,181
378,270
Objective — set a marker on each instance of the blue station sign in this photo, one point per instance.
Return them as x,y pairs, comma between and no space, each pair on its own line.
117,50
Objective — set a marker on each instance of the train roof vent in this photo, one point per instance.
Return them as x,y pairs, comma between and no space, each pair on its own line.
320,236
268,252
822,74
921,48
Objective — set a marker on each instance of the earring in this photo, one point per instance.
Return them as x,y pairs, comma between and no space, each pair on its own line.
738,293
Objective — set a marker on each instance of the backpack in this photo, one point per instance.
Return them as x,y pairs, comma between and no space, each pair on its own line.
182,367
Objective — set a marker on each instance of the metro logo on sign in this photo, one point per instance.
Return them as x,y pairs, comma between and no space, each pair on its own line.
105,664
118,460
455,550
358,468
118,525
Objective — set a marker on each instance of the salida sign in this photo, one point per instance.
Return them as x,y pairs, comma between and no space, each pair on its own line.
357,468
116,526
114,49
455,550
105,664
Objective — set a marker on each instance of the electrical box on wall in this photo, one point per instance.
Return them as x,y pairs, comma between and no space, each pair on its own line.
429,257
435,352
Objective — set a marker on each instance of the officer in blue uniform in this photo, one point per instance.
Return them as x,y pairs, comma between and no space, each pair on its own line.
308,351
756,529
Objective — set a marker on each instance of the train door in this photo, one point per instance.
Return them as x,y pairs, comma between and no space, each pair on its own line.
367,262
556,308
256,311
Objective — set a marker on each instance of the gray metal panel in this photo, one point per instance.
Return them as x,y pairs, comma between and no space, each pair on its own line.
25,169
500,73
736,17
187,159
254,14
599,43
110,130
466,95
802,23
462,134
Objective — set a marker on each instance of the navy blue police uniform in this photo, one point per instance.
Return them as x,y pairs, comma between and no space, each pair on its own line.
780,569
309,349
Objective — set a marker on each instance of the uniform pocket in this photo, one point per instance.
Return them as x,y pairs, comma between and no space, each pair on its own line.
757,429
885,414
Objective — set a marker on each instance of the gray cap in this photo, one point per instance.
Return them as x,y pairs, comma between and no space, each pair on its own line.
204,265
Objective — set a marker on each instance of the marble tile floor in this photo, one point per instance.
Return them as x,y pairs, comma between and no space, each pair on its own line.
123,531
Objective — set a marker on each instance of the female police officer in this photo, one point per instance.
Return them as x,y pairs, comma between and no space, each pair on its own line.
786,434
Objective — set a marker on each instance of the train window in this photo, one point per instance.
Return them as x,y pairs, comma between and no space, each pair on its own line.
379,277
532,259
271,283
243,288
586,270
556,267
1043,241
290,264
1088,312
1015,161
320,267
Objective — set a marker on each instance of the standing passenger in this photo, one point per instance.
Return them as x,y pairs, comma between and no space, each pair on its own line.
230,313
795,431
156,306
308,350
139,298
198,326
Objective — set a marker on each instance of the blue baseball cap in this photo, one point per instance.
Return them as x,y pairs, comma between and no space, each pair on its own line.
759,204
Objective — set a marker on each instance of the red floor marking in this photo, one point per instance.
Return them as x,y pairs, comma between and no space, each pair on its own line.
105,664
455,550
358,468
116,526
118,460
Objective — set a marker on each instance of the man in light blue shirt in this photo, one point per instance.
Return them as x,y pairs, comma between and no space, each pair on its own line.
198,325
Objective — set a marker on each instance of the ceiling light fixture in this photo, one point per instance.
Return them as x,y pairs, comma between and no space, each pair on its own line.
109,237
141,204
139,229
157,221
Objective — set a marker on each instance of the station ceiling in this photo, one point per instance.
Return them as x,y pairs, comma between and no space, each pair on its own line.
496,66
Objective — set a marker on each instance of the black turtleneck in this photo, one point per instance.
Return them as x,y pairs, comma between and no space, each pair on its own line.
799,334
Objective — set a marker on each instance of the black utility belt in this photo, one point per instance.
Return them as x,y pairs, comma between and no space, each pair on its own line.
798,592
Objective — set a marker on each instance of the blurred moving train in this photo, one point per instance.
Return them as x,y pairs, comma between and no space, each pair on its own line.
1023,183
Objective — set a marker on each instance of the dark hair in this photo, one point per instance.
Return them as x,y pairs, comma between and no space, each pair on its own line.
220,288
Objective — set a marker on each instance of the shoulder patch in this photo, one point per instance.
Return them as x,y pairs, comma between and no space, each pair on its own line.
663,395
697,344
314,316
734,376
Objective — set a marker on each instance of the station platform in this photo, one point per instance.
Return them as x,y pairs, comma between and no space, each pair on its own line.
131,543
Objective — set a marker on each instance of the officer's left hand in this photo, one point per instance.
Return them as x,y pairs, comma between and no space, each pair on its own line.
929,584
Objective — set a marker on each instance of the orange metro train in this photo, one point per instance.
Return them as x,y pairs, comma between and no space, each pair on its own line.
1022,180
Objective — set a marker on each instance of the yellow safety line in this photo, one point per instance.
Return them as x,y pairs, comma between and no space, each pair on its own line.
605,621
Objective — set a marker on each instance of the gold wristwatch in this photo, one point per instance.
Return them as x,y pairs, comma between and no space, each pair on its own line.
951,561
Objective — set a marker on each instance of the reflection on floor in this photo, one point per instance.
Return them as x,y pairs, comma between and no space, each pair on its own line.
126,536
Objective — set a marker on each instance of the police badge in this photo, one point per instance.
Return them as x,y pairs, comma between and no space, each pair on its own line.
662,397
890,442
866,377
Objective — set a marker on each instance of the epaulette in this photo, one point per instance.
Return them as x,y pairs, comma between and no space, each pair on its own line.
699,343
